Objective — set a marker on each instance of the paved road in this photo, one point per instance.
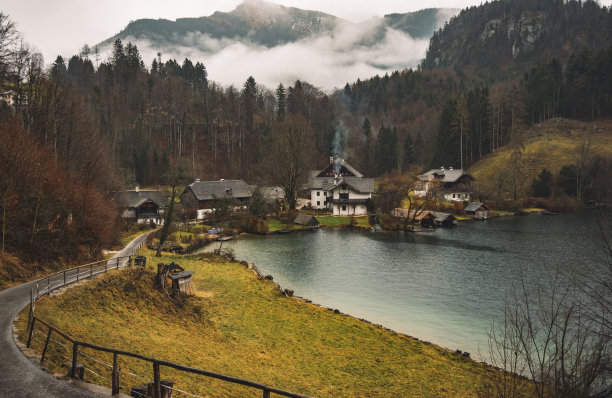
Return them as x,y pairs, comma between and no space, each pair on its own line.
19,376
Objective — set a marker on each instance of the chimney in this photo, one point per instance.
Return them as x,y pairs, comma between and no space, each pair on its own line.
137,189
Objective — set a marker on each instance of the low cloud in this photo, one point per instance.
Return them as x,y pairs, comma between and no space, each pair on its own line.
352,51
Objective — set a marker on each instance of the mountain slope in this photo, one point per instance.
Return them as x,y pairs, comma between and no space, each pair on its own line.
268,24
499,39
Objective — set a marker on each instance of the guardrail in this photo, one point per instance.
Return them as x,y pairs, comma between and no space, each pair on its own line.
86,271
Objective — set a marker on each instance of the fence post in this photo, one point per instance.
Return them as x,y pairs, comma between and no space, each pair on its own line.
90,270
115,378
75,354
266,393
156,380
117,262
64,277
48,286
42,357
77,271
31,314
30,332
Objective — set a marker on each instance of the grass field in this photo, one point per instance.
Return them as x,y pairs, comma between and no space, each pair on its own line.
549,145
244,327
331,221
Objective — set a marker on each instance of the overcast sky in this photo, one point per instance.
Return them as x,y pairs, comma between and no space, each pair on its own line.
63,26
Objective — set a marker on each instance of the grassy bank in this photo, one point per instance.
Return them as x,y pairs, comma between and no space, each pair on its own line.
244,327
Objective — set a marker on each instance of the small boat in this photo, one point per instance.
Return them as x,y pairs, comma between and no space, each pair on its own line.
550,213
282,231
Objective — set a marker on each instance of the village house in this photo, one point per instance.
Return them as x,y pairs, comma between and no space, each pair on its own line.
340,188
142,206
477,210
453,185
204,195
424,218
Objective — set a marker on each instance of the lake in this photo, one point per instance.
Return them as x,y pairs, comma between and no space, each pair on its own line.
446,287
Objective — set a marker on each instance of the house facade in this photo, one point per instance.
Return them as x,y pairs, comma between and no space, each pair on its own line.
203,196
340,188
142,206
453,185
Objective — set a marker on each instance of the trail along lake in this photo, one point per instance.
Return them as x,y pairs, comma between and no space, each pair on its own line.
446,287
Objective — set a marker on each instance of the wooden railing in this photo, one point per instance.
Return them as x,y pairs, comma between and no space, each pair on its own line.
73,275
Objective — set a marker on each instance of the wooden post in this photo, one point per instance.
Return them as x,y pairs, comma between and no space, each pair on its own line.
115,380
31,314
156,380
266,394
30,333
64,278
75,354
117,262
90,270
77,271
42,357
48,286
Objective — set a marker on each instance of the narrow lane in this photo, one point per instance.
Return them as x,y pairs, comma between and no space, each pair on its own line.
19,376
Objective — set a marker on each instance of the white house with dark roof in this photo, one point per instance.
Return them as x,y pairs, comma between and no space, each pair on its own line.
203,195
142,206
453,184
340,188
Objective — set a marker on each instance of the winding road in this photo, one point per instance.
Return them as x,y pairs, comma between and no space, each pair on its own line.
19,376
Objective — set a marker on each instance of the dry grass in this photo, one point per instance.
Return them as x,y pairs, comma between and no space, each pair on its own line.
242,326
549,145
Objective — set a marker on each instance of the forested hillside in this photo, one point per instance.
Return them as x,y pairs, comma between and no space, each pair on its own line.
75,131
501,38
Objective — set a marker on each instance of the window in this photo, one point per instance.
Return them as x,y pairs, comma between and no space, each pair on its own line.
453,196
343,207
318,203
318,193
325,193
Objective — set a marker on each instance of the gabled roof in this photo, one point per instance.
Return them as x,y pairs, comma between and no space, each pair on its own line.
475,206
135,198
272,193
209,190
446,175
305,219
440,216
340,167
405,213
362,185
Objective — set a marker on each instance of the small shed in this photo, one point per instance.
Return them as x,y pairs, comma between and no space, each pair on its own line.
307,220
182,283
444,219
478,210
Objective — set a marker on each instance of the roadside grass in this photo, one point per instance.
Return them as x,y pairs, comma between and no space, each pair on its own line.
242,326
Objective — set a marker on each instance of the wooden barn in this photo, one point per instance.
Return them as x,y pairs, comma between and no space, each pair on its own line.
477,210
306,220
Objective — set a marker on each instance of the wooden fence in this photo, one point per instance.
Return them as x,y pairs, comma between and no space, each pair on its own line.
61,279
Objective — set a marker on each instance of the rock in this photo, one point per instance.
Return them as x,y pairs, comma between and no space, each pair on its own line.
465,355
289,293
336,311
268,277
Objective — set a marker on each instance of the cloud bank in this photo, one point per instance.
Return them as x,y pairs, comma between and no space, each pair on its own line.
352,51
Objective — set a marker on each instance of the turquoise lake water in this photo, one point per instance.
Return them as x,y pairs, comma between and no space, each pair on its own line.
446,287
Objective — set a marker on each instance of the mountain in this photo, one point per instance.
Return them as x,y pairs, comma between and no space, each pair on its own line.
256,21
501,38
268,24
